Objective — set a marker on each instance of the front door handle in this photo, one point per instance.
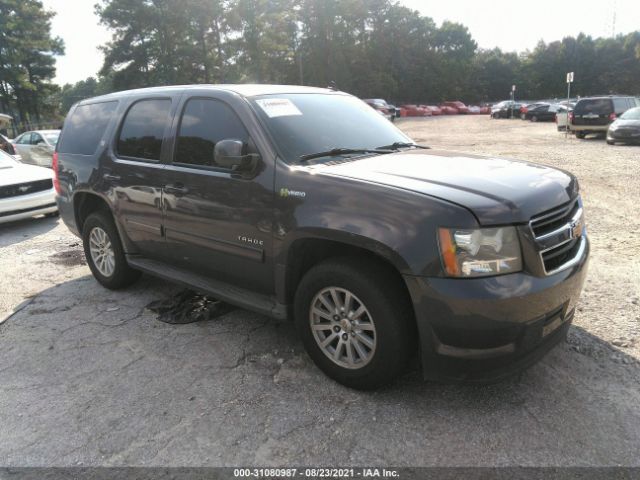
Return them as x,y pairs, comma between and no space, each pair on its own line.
111,177
176,189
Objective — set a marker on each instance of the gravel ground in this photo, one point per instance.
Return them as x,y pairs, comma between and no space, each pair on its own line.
91,377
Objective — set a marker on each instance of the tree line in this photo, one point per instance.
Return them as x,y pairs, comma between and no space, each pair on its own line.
371,48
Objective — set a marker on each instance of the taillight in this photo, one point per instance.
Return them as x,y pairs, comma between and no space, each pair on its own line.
612,116
54,167
571,117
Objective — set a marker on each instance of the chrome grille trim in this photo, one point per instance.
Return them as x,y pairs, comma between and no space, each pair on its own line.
550,242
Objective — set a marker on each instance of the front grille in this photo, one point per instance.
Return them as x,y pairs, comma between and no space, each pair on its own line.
553,219
558,236
558,256
25,188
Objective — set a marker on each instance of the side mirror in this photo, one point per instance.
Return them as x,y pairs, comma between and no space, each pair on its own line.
230,153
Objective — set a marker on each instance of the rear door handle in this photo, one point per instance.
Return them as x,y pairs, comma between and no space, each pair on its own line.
110,177
177,189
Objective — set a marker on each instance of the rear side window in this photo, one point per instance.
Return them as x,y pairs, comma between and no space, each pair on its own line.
621,104
204,123
84,129
598,106
143,129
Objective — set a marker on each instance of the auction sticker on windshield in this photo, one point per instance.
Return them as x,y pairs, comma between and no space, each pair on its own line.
278,107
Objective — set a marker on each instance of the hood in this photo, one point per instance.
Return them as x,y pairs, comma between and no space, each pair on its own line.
621,122
497,190
21,173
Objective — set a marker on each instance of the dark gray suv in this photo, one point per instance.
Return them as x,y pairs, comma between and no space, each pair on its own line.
305,203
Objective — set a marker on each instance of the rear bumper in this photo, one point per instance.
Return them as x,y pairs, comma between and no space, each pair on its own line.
27,206
481,330
589,128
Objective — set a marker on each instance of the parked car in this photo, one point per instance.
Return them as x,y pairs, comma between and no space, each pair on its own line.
435,111
542,113
562,118
376,246
595,114
524,108
448,110
626,128
25,190
474,110
485,110
37,147
457,105
415,111
506,109
7,146
380,105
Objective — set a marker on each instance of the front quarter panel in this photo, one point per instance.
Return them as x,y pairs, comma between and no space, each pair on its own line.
396,224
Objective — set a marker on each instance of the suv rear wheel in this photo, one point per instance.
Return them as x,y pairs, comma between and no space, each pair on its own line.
104,254
580,134
355,322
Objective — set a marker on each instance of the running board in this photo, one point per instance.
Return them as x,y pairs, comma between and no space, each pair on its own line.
240,297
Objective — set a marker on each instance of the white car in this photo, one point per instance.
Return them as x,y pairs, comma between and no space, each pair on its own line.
25,190
37,147
562,119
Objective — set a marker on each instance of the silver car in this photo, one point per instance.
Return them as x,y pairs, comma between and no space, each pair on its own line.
37,147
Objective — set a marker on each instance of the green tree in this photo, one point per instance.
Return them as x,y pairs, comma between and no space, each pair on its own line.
27,63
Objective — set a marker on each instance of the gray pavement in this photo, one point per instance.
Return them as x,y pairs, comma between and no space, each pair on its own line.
90,377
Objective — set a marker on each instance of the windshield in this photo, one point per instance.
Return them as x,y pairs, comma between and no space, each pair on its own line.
7,160
631,114
51,137
306,123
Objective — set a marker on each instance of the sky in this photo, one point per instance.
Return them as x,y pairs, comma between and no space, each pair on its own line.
511,25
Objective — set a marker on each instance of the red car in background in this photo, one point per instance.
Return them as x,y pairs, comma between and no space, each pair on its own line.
433,109
485,110
415,111
448,110
458,105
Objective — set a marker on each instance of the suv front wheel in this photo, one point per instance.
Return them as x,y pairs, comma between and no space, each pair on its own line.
104,253
355,322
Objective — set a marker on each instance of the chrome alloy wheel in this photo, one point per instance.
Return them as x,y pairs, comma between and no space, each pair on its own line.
342,327
101,251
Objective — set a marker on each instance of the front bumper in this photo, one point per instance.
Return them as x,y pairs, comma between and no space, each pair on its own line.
27,206
622,136
485,329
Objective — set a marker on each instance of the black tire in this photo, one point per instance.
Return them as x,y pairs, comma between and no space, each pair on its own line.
123,275
534,119
580,134
610,142
390,311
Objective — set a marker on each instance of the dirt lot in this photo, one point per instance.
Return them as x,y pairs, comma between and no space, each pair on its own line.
91,377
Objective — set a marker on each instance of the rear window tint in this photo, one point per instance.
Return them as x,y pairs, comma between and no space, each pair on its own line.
84,129
599,106
143,129
621,104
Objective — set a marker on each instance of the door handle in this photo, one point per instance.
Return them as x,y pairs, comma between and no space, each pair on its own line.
111,178
177,189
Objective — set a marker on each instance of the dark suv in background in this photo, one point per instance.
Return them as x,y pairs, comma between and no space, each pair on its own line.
305,203
595,114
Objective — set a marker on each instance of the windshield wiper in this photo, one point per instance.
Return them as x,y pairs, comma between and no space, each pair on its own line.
399,145
336,152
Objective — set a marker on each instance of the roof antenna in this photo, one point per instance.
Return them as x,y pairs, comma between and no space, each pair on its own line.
332,85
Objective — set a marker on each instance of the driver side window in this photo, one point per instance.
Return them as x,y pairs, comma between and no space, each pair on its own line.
36,138
25,139
204,123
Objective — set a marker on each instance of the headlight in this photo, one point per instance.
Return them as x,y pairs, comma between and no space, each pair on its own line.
480,252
